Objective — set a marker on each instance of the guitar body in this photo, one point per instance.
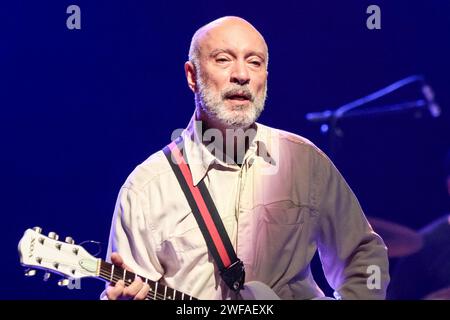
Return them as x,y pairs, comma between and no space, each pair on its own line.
255,290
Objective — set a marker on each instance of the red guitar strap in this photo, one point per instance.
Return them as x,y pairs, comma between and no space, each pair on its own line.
219,245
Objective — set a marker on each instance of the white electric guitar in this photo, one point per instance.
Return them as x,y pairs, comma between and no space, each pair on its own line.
73,262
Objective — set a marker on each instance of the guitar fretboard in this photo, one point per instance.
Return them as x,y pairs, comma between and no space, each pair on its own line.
158,291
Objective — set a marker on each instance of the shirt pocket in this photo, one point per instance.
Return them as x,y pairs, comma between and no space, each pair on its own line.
283,212
280,240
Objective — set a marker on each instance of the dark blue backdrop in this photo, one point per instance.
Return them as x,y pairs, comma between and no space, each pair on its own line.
81,108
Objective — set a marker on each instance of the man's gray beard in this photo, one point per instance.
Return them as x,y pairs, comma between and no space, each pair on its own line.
213,105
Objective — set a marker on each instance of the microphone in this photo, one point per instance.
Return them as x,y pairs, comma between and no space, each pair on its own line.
432,106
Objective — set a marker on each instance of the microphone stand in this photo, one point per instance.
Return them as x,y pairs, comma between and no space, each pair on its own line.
330,119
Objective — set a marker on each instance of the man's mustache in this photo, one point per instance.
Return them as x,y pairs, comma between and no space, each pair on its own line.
240,91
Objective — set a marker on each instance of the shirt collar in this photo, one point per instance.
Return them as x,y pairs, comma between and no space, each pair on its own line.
196,154
200,159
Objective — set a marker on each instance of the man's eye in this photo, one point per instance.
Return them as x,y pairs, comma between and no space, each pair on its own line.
255,63
221,60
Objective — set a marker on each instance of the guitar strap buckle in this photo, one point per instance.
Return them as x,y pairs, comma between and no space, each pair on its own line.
234,276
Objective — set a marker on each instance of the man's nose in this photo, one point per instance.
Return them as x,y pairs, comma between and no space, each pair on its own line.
240,74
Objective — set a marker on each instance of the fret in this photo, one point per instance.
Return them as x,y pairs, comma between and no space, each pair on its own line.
118,273
129,277
106,271
170,293
160,291
150,290
112,273
146,281
156,290
150,287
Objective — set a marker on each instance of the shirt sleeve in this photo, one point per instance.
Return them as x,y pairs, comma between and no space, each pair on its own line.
354,257
132,237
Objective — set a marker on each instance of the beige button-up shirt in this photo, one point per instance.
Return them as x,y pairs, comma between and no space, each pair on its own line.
282,204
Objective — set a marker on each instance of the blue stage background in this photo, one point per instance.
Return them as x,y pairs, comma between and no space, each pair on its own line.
81,108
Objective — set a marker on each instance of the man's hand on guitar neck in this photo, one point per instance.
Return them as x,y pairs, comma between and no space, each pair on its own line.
137,290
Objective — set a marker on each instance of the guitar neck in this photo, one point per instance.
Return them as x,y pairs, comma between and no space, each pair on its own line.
158,291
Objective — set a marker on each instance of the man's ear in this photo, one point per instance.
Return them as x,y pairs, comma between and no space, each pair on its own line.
191,78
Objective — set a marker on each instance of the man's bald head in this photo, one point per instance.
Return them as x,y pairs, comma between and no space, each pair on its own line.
227,71
221,26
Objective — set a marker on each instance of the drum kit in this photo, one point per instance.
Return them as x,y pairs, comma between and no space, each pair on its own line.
402,241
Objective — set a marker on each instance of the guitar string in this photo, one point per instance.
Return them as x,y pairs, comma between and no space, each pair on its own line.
107,275
150,294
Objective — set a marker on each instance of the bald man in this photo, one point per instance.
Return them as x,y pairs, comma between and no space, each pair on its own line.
278,196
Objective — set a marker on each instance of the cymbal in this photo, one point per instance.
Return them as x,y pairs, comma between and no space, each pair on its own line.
441,294
400,240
